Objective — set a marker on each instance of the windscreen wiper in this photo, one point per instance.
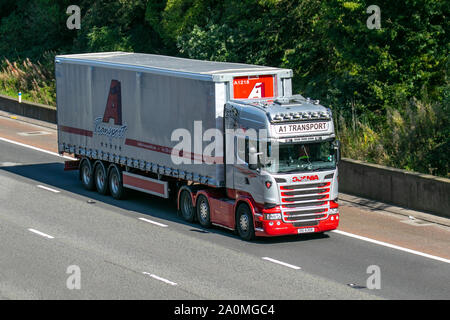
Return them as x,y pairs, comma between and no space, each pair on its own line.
323,169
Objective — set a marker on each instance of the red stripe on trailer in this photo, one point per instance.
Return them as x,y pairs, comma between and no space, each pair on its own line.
151,147
78,131
148,146
145,184
168,150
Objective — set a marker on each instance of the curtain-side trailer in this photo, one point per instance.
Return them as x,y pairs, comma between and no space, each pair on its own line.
229,142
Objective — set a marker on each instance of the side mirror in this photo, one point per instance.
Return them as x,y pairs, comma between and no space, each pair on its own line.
253,158
337,147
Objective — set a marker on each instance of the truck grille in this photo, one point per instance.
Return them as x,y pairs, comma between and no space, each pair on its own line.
306,224
306,186
304,204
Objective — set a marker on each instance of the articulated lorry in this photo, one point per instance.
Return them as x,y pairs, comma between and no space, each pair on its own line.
228,142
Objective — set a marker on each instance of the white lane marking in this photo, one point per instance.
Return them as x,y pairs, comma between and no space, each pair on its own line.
41,233
48,189
33,133
9,164
393,246
154,222
282,263
36,148
160,279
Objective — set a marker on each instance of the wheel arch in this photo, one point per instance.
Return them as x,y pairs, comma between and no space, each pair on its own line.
192,192
247,201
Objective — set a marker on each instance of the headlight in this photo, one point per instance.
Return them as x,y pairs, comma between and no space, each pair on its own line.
334,211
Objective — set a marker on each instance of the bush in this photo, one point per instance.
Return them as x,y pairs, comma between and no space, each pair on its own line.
416,139
34,80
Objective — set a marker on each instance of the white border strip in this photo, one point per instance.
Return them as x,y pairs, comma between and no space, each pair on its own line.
160,279
133,67
282,263
154,222
41,233
36,148
137,176
385,244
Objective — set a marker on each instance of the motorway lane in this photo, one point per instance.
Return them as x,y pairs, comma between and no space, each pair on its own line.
205,264
33,267
103,239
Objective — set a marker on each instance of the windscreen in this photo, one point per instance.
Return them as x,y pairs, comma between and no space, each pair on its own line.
301,157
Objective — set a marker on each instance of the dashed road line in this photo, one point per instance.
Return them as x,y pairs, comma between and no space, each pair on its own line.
160,279
154,222
41,233
48,189
282,263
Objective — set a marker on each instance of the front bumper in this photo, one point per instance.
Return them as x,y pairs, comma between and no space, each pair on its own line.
279,228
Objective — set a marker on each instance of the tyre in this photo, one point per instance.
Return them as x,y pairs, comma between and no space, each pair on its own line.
115,183
203,211
244,223
187,209
101,178
86,175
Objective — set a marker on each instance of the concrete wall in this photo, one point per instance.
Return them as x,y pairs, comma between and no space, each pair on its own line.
398,187
28,109
394,186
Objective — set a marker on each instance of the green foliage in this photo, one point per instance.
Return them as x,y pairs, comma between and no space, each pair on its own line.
416,139
419,140
212,43
33,28
35,80
107,39
388,88
117,26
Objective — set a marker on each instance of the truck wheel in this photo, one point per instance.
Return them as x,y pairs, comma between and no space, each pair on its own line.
115,183
101,178
203,211
187,209
86,175
244,223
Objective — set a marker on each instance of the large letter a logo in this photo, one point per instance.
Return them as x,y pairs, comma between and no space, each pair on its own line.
258,91
114,104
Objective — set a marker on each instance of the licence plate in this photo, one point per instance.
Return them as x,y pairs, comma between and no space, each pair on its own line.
305,230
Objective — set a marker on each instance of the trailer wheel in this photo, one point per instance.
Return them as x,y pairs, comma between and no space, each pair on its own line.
86,174
101,178
115,183
244,222
187,209
203,211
